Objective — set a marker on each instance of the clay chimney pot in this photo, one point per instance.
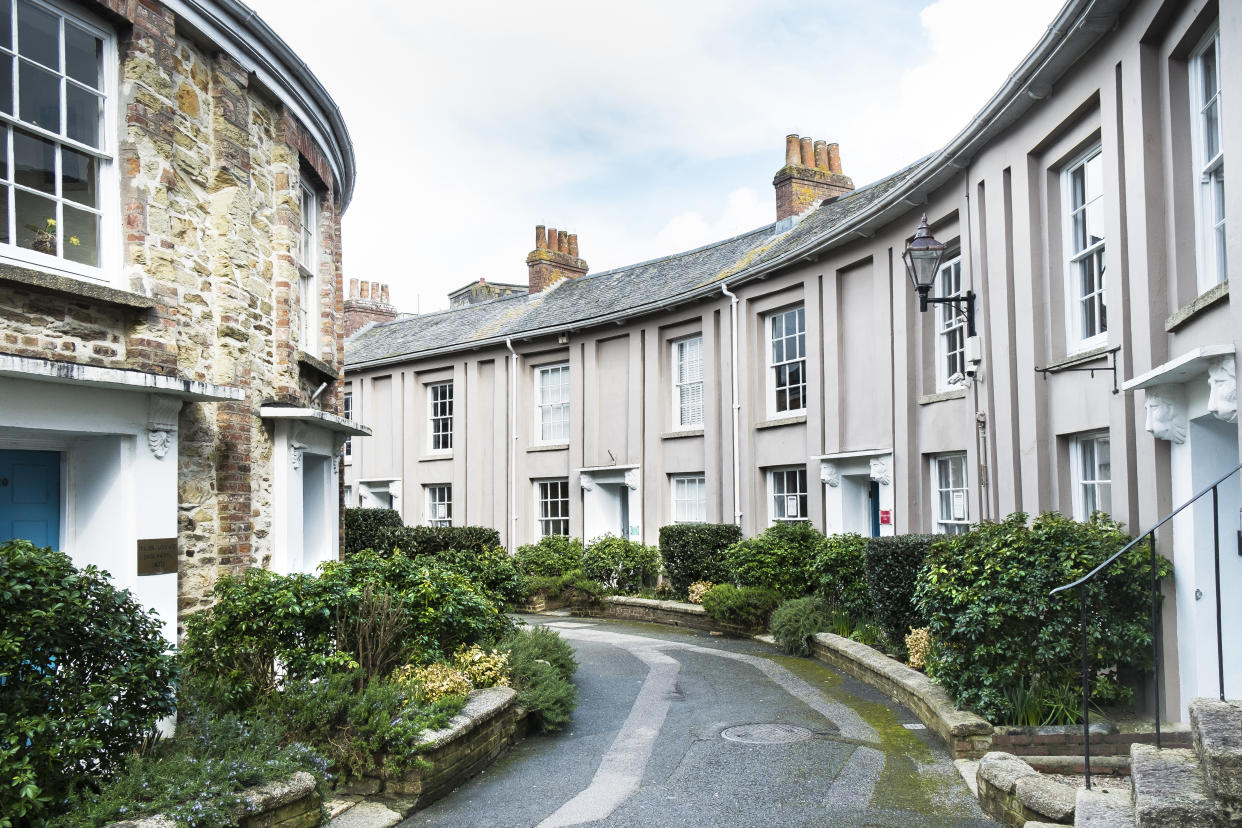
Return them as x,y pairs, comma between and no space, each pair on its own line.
353,288
366,290
821,155
834,158
384,294
792,153
552,238
573,245
562,241
808,152
541,237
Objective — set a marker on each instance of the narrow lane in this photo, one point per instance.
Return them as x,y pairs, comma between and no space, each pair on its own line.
677,728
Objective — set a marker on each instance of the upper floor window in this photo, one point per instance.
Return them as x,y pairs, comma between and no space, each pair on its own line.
950,329
1091,469
787,494
553,506
952,515
1209,159
689,498
308,267
1087,320
552,403
440,415
787,360
349,415
688,382
439,505
56,89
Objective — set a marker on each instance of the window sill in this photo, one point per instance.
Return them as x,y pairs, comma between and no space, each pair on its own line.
315,364
548,447
1079,357
781,421
941,396
1201,303
677,435
77,288
431,458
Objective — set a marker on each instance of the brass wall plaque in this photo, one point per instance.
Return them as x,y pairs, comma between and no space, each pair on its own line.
157,556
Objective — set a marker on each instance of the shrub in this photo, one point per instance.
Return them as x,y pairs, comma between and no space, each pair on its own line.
746,607
796,620
484,668
491,570
434,681
362,528
994,625
542,664
893,566
918,645
838,572
436,540
778,559
579,589
697,590
867,633
621,564
552,556
85,673
695,552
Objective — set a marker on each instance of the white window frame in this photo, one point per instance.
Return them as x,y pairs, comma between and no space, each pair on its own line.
107,185
438,499
1092,492
950,329
1093,255
310,204
781,497
347,411
551,429
687,375
545,496
796,315
688,494
947,519
440,412
1209,172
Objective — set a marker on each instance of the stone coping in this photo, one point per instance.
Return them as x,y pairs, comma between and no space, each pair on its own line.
968,735
297,793
482,706
1013,792
654,603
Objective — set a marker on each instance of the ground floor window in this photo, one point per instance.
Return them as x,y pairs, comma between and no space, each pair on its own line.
1091,469
689,498
439,505
787,494
952,515
553,504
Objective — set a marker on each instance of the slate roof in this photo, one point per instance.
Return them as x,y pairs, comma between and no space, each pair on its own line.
640,288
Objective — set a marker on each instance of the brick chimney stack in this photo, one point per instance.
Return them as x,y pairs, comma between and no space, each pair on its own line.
812,173
367,303
555,257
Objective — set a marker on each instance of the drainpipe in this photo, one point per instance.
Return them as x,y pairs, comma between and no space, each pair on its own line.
737,469
513,368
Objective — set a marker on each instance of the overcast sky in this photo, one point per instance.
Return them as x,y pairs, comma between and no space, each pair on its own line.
647,127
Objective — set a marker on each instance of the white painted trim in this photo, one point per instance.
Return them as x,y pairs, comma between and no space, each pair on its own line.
1179,369
45,370
315,417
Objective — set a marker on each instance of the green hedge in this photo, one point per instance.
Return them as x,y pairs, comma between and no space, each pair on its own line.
893,565
796,620
694,552
779,559
435,540
551,557
621,564
838,571
362,527
747,607
997,634
85,675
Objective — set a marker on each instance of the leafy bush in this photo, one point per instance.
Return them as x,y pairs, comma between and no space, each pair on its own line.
85,673
746,607
867,633
893,565
796,620
363,526
552,556
918,646
195,778
484,668
435,681
695,552
436,540
491,570
839,573
543,665
780,559
994,626
697,590
621,564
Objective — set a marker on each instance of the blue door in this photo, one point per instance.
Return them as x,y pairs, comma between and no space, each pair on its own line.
30,497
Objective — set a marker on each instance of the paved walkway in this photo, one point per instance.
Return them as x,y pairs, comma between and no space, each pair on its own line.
677,728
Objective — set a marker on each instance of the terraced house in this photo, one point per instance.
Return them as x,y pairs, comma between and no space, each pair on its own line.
171,184
789,373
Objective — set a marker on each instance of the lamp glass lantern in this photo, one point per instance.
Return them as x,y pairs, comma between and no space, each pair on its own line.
922,258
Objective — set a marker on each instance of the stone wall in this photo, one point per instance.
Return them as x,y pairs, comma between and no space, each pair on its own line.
288,803
672,613
1014,793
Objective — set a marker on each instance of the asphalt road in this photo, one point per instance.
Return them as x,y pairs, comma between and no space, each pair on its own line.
650,745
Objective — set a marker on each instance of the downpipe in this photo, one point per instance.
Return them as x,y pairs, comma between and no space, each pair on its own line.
737,468
513,436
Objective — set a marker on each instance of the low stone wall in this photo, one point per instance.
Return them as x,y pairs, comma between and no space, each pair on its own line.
1013,792
1107,740
541,603
287,803
967,735
673,613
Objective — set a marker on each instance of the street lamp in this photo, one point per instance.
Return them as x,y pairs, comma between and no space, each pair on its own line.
922,258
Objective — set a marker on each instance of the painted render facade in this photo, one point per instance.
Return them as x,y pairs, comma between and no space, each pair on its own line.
1094,158
171,324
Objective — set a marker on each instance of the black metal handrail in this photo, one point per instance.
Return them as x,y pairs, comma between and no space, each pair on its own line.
1150,537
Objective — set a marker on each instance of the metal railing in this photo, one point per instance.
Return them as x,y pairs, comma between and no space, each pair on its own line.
1150,537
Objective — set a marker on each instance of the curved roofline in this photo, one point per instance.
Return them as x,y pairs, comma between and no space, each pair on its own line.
254,44
1078,25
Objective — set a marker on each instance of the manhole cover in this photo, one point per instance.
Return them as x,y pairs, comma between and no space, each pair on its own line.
767,734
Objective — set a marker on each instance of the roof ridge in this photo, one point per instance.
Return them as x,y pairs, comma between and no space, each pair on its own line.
670,256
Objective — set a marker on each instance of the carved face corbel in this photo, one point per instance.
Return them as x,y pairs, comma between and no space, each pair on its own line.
829,474
1223,398
1166,414
162,414
881,470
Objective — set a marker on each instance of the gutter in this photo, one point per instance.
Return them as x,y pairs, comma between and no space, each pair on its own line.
1071,35
737,405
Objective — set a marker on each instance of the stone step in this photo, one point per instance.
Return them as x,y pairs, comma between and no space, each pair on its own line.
1217,728
366,815
1169,790
1103,808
